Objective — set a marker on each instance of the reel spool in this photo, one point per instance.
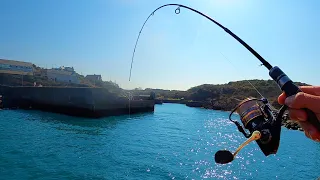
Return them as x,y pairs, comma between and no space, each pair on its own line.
264,128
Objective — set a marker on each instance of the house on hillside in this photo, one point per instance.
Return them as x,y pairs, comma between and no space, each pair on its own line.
63,74
40,72
16,67
94,78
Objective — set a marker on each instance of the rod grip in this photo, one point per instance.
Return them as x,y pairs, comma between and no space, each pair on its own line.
291,89
286,85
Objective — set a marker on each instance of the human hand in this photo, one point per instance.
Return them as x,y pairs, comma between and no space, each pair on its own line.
309,98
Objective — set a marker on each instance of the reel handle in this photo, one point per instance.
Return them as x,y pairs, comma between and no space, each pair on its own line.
286,85
225,156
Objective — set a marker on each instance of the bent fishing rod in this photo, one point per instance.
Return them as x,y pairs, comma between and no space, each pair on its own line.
256,114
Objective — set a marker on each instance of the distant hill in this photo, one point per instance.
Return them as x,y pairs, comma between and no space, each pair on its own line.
226,96
222,96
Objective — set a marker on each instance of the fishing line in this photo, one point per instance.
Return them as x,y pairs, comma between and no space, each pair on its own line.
263,127
240,73
273,108
177,11
129,97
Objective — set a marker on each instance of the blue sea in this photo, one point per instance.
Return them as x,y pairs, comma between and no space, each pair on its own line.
174,142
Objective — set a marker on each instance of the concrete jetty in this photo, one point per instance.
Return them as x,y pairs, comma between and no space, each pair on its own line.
75,101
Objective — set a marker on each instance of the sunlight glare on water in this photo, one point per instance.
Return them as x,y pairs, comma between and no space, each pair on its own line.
174,142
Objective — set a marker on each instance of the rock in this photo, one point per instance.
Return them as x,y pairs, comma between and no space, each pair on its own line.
289,124
158,101
295,127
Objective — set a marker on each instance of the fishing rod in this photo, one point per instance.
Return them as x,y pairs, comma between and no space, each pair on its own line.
255,114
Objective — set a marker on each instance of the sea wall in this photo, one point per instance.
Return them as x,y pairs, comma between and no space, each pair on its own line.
178,101
86,102
195,104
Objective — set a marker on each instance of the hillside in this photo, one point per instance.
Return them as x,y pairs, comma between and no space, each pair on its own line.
226,96
219,96
18,80
210,96
222,96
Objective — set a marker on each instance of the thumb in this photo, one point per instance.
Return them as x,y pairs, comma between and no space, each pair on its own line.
303,100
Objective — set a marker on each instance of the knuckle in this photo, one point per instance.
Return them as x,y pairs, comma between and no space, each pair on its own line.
299,98
314,136
307,133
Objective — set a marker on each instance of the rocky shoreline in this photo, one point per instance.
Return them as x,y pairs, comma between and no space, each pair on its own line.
286,122
290,124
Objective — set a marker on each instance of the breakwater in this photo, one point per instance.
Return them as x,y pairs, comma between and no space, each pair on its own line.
84,102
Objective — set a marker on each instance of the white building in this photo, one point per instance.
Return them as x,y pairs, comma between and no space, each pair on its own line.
16,67
63,74
94,78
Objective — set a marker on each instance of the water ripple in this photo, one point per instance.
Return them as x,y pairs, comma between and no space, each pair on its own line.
174,142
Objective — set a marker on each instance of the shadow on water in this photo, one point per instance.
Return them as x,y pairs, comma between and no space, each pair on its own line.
55,118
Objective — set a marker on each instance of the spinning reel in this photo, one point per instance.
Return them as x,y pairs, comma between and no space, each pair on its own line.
263,125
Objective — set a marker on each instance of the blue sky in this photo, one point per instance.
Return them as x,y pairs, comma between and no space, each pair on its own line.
174,51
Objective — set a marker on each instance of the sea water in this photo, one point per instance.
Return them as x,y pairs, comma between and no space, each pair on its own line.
174,142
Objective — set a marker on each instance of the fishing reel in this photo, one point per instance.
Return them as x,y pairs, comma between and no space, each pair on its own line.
263,124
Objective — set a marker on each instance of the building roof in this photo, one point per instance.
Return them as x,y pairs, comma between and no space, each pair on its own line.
15,63
58,71
94,75
66,68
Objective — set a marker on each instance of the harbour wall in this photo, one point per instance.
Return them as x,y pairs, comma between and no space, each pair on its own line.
85,102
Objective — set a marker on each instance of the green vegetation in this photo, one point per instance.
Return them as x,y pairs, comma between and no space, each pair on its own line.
222,96
26,80
227,95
